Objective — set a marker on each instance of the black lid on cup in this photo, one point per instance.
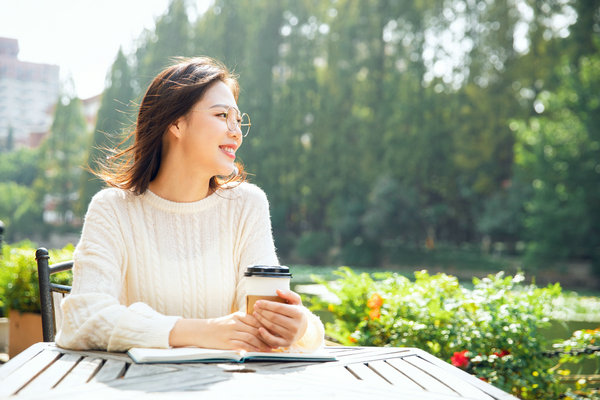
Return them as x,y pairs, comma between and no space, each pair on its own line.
270,271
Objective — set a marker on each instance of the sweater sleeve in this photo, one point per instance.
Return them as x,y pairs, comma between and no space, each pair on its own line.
93,317
256,247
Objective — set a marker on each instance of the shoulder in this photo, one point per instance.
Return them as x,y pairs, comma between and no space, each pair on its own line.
110,198
251,192
246,199
247,193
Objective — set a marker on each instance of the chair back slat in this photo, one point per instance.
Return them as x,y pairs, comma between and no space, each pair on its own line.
55,287
60,267
50,293
56,299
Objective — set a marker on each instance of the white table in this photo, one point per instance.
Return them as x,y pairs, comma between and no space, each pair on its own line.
48,372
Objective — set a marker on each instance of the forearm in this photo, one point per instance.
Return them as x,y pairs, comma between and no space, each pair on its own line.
234,331
190,332
98,321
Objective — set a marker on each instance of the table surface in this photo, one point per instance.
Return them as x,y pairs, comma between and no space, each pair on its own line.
46,371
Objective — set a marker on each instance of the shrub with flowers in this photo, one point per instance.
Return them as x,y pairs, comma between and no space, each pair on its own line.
582,345
491,331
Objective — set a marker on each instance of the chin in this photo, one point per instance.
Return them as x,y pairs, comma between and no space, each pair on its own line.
227,171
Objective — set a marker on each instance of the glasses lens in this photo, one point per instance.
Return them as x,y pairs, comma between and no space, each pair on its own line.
235,121
232,119
245,124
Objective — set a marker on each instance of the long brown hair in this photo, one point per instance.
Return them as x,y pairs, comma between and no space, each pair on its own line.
172,93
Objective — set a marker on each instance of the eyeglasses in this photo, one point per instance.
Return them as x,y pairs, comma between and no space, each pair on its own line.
235,120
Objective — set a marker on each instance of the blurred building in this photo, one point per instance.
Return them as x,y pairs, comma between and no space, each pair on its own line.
90,111
28,93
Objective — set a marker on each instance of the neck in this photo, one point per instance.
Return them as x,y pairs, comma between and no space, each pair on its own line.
174,183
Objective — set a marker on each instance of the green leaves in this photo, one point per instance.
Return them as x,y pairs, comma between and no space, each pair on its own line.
61,157
19,288
557,151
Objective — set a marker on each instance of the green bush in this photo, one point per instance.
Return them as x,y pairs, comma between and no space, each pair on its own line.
491,331
581,346
19,289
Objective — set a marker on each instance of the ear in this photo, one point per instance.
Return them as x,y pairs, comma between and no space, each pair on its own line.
174,129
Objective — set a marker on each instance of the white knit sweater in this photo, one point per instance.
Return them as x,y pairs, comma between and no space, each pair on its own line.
143,262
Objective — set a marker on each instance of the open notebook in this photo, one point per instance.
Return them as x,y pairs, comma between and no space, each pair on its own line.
196,354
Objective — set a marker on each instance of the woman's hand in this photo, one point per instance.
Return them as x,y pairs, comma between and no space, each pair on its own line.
236,331
282,324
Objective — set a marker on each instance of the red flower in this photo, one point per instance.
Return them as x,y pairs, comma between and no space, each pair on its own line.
460,359
502,353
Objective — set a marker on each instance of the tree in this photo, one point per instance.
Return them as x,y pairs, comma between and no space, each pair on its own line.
558,152
115,115
19,210
359,110
63,153
171,37
20,166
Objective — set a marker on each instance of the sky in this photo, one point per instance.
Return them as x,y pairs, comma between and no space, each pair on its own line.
82,37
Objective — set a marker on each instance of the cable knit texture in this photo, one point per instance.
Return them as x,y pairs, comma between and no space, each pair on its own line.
143,262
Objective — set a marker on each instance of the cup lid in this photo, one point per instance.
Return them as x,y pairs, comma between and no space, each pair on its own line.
271,271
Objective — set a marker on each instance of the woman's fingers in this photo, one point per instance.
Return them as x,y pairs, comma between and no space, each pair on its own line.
273,340
287,310
284,323
240,331
274,323
251,342
291,297
249,320
247,332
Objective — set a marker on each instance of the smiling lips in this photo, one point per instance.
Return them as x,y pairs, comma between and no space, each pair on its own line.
229,151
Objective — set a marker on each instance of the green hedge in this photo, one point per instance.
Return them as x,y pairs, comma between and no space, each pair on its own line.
491,331
19,288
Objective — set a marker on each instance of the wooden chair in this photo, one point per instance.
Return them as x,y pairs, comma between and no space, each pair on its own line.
50,293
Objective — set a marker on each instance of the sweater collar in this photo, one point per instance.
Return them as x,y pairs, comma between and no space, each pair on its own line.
181,208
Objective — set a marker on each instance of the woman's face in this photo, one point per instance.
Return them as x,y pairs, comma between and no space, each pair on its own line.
208,147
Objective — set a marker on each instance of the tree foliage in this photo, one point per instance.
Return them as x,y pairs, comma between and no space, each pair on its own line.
115,116
62,155
383,123
559,152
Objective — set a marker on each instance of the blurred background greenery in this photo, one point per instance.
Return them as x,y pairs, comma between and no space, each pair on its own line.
456,134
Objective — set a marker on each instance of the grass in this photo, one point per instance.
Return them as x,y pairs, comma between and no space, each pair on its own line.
452,257
302,273
405,259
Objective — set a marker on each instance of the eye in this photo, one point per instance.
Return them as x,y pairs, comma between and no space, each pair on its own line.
222,114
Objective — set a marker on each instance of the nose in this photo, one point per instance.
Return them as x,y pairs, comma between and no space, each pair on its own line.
236,133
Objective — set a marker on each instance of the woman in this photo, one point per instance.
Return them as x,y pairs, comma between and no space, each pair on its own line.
162,253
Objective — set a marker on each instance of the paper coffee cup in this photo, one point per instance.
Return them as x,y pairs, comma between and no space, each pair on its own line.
262,282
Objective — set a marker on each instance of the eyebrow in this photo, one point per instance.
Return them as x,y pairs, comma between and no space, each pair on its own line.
224,106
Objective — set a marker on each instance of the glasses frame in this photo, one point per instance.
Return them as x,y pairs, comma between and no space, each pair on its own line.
235,122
